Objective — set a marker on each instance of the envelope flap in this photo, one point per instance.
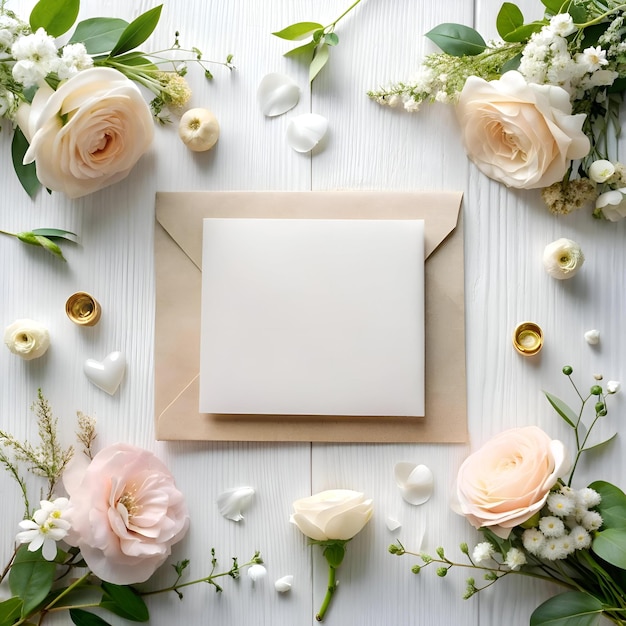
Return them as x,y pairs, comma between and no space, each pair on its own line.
439,209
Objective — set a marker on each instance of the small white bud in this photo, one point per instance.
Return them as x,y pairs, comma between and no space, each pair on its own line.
284,584
613,386
257,572
592,337
199,129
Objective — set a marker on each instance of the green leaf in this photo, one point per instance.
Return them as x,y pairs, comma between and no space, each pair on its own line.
562,409
10,611
306,49
509,19
457,39
600,444
610,545
523,33
54,16
55,233
334,553
99,34
319,60
137,31
331,39
511,64
85,618
578,13
613,504
125,602
26,174
298,31
553,6
135,60
573,608
31,578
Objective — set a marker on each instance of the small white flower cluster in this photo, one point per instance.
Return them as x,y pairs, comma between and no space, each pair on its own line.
484,551
48,525
568,528
546,59
10,29
36,56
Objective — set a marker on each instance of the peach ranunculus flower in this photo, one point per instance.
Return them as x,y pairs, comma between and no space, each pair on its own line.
125,513
504,483
521,134
87,134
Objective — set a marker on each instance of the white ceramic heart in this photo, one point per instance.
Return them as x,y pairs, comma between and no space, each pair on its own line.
414,481
108,373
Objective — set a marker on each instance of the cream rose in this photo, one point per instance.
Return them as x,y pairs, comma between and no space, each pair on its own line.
508,480
27,338
125,512
333,514
87,134
520,134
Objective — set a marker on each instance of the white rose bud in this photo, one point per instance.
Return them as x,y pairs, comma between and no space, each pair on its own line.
27,338
333,514
601,170
199,129
563,258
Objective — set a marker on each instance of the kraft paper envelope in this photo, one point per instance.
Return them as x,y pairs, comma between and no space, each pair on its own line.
178,252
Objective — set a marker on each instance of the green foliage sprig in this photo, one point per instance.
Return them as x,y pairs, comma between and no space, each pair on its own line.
317,50
44,238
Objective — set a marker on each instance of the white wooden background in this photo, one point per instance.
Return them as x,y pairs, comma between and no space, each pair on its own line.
368,147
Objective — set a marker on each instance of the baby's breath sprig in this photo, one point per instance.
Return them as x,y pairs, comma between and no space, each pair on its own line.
86,434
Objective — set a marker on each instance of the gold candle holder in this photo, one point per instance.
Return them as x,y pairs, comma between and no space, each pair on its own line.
528,338
83,309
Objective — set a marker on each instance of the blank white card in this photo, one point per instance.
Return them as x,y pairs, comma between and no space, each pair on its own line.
312,317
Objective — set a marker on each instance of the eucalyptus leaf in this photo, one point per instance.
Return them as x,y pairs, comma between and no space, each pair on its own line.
610,545
55,233
125,602
511,64
99,34
562,409
613,504
31,578
306,49
319,60
573,608
553,6
523,33
457,40
81,617
56,17
509,19
298,31
137,31
10,611
26,174
600,444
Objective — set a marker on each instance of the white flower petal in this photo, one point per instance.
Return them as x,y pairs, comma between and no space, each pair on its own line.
414,481
592,337
232,502
284,584
306,131
257,572
392,523
277,94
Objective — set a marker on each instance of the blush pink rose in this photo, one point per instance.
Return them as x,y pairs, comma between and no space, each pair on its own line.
125,512
508,480
520,134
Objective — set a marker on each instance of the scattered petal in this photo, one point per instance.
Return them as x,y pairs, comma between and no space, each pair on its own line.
592,337
306,131
284,584
414,481
613,386
277,94
392,523
257,572
232,502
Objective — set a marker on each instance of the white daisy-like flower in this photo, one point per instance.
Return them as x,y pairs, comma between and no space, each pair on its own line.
551,526
561,504
483,552
533,540
46,527
588,497
592,58
553,550
562,24
580,538
591,520
515,559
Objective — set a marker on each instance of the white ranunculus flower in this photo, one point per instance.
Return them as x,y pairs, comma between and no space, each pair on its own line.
563,258
601,170
89,133
27,338
613,204
333,514
520,134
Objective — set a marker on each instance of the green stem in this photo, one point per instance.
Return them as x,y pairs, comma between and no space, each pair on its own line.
602,16
74,585
333,24
5,232
330,590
